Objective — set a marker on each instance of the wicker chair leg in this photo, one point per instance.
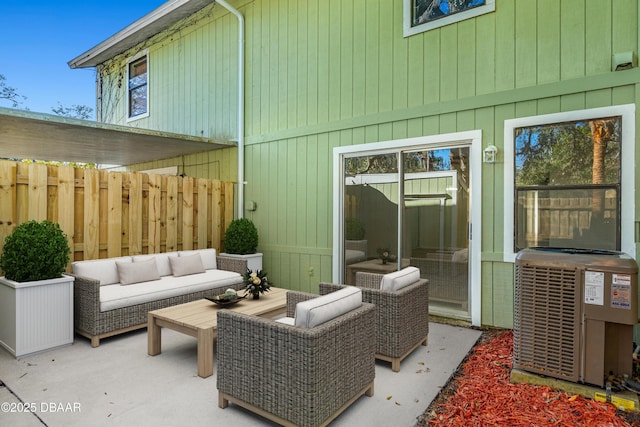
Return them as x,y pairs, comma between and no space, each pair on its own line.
369,391
223,402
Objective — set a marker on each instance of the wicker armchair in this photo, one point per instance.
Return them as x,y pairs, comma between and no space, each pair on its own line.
294,375
402,316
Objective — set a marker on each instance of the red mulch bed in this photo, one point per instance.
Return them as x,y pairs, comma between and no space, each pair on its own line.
481,394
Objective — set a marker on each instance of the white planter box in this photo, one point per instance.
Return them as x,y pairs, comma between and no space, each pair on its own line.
254,261
36,316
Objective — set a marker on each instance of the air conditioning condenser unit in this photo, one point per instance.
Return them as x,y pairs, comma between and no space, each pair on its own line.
574,312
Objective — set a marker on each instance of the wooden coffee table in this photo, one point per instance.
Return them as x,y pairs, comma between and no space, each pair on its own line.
199,319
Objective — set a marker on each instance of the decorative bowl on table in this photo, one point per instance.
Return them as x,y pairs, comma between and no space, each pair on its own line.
226,299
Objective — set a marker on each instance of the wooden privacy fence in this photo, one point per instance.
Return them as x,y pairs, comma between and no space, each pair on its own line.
545,219
107,214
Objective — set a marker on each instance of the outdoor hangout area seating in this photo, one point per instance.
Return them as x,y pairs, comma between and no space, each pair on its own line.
114,295
302,370
402,310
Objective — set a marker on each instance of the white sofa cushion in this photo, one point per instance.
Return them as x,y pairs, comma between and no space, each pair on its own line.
186,264
104,270
399,279
116,296
162,261
208,257
136,272
318,310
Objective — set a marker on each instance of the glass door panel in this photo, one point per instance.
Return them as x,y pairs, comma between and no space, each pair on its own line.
370,214
435,224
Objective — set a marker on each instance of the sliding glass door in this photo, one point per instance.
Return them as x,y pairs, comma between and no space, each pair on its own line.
410,207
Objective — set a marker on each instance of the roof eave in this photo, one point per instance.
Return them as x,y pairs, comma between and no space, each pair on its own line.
144,28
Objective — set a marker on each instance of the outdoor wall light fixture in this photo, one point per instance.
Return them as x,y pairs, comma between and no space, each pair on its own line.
489,154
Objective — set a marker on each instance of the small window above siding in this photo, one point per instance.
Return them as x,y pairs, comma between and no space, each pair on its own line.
424,15
137,88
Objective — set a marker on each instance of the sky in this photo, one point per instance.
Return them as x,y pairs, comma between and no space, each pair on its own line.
38,38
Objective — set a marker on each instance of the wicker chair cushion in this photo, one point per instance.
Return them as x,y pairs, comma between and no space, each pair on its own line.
186,264
162,261
316,311
104,270
208,257
141,271
399,279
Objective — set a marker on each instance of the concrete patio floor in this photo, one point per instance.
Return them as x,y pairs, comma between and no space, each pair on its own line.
119,384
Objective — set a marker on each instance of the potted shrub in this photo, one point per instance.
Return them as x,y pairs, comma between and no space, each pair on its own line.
354,230
36,298
354,242
241,241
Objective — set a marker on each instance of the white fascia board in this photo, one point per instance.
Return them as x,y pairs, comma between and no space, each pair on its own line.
142,29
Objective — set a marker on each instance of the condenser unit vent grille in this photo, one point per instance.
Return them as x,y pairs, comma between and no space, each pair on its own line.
546,321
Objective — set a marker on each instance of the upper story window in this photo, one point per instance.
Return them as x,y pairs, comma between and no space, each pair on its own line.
138,88
569,181
424,15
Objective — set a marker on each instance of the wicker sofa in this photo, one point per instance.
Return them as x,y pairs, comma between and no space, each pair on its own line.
114,295
295,375
402,315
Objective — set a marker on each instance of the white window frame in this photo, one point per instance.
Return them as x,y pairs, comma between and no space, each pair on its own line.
627,184
410,30
472,138
134,58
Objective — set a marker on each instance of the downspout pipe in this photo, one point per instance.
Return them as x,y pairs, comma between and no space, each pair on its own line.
241,182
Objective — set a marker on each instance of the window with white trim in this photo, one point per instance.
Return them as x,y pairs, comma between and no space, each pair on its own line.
424,15
137,88
569,180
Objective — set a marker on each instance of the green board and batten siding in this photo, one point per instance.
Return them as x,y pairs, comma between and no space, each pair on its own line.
327,73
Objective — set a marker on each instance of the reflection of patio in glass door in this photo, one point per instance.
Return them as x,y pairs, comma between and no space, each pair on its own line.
428,208
370,214
436,221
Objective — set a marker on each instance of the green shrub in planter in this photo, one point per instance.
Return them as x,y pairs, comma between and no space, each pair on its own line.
354,230
35,251
241,237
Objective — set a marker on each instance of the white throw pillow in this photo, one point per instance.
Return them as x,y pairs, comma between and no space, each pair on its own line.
208,256
162,261
142,271
318,310
186,264
399,279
